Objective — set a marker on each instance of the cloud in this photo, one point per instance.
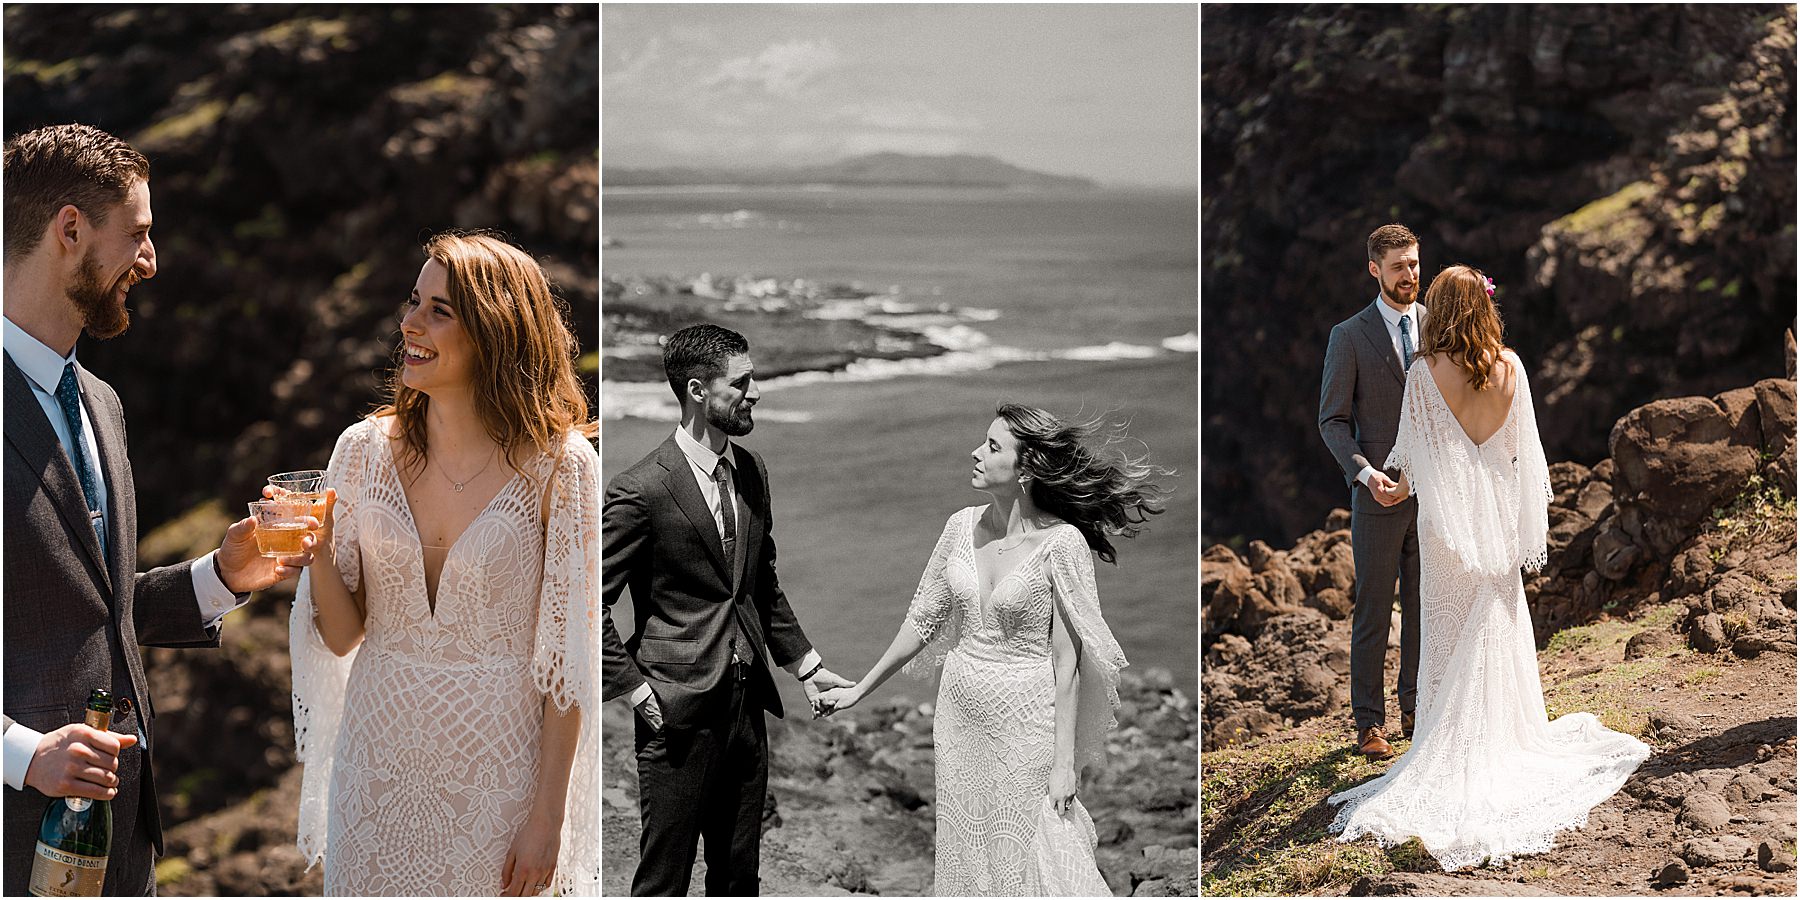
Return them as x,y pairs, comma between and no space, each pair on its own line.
905,115
782,69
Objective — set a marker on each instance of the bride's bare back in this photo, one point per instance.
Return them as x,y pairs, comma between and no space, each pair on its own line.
1480,413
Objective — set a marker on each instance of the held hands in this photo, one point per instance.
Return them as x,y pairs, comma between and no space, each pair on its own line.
1386,490
822,682
241,564
1063,782
836,699
77,761
531,860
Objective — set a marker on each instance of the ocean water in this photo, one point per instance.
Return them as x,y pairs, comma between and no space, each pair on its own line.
1082,304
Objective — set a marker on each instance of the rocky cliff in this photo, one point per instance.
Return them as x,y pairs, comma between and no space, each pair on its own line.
1626,173
1667,608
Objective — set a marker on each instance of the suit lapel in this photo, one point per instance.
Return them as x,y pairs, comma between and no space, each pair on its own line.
679,479
752,525
30,434
115,468
1375,329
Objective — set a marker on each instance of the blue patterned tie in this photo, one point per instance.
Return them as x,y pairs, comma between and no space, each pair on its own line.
68,396
1406,345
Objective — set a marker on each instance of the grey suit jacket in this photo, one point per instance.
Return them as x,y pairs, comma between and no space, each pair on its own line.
74,619
658,538
1359,402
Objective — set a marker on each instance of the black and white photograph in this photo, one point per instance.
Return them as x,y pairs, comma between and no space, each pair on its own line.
909,292
1498,305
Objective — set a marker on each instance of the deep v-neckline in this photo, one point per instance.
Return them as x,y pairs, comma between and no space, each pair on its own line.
981,603
431,595
1481,444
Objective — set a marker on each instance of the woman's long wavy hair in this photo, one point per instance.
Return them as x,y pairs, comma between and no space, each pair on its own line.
1462,323
1091,485
525,388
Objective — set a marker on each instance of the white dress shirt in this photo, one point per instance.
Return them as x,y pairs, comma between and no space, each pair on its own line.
43,369
1391,317
702,462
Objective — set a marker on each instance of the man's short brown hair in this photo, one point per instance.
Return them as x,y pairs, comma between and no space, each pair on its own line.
1390,237
64,165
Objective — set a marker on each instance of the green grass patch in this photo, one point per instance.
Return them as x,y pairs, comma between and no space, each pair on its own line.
1270,803
1700,675
1605,213
171,870
1759,511
1611,694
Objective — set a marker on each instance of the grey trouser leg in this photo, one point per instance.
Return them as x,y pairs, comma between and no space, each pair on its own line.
1385,546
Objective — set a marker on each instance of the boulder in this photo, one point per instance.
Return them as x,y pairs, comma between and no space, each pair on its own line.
1705,811
1681,456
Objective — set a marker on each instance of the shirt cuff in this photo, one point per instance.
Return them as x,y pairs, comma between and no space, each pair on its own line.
210,592
642,693
806,663
1363,476
21,745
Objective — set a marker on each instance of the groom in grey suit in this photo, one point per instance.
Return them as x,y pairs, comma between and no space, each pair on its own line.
76,608
1359,415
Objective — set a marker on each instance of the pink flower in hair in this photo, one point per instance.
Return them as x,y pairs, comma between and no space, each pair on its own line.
1489,284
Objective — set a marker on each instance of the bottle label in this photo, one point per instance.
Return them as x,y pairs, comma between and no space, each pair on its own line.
58,874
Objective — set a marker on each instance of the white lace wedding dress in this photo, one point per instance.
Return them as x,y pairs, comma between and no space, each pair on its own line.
421,746
995,730
1488,776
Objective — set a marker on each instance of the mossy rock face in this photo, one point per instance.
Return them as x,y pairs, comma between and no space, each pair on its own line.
1611,216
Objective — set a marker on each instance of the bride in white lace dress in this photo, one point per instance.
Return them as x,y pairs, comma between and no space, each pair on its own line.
1008,606
445,691
1488,776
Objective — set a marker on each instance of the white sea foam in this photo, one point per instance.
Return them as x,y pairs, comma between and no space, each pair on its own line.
1108,352
1182,343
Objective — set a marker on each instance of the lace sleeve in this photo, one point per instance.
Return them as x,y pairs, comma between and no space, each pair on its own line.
933,613
567,650
319,675
1411,419
1534,479
1071,566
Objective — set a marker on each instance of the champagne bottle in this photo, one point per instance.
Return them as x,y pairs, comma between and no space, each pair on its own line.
75,835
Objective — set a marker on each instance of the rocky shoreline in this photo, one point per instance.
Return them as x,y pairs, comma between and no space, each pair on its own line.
1667,608
795,324
850,805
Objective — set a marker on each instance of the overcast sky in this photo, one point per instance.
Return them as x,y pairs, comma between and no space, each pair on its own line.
1105,91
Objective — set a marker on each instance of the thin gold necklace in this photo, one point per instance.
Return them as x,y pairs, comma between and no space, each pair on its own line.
458,485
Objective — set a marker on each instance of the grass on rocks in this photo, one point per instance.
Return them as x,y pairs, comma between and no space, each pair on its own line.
1271,799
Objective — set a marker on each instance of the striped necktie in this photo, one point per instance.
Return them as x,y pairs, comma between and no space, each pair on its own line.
68,396
1406,344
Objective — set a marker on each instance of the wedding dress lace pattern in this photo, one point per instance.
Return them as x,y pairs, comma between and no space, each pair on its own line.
421,746
995,732
1489,776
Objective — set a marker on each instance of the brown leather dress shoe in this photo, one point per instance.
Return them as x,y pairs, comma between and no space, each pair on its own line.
1374,744
1406,725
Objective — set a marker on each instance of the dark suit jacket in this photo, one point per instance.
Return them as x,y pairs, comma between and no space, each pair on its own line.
1359,401
659,540
74,623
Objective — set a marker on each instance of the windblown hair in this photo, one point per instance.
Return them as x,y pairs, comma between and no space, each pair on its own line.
699,351
64,165
1462,323
525,388
1099,490
1390,237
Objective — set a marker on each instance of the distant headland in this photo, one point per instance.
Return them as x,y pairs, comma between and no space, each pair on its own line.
870,170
